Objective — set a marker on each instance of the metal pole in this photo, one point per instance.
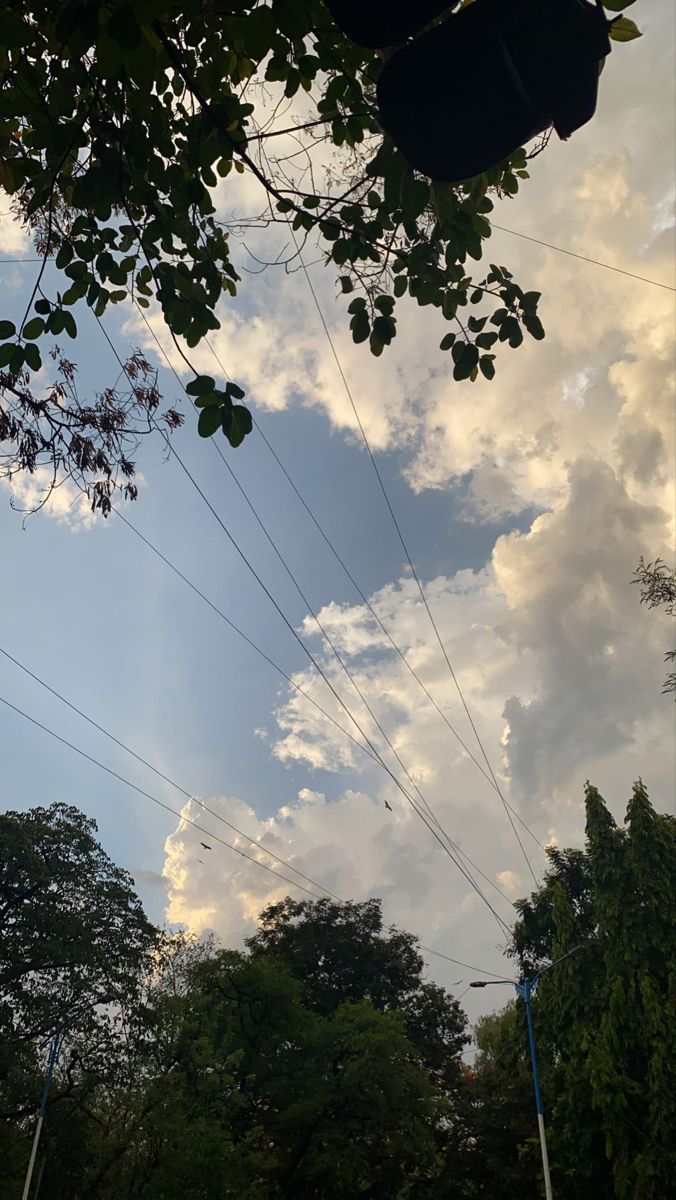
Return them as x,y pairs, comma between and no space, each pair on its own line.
51,1063
524,990
38,1182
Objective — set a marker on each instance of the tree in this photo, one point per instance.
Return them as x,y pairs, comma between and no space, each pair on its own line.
605,1018
72,932
503,1118
657,582
318,1105
118,122
235,1088
71,928
340,953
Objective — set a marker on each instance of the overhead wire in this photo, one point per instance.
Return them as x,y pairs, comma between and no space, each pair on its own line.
407,553
455,847
296,636
409,560
334,649
365,599
458,962
595,262
280,670
190,796
209,833
149,796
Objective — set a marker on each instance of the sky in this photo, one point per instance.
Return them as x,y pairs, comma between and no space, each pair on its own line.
525,504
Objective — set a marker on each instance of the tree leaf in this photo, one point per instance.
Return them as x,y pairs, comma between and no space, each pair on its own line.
239,425
200,385
32,356
624,30
209,421
234,391
32,329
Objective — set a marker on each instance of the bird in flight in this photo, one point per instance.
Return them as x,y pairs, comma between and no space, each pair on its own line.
205,846
388,806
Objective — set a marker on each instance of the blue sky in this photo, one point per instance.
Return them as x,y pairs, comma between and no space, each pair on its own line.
525,504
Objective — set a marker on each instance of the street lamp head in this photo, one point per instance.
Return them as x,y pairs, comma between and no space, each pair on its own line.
477,983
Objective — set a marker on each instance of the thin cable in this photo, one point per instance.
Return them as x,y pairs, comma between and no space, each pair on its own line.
214,836
455,847
412,568
457,962
161,775
595,262
127,782
353,581
365,600
428,808
280,670
173,451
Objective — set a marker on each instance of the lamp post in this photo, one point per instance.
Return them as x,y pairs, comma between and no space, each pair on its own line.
52,1059
525,988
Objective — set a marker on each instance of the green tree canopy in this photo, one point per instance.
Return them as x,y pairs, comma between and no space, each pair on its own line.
657,583
122,126
71,927
340,953
214,1073
72,933
605,1018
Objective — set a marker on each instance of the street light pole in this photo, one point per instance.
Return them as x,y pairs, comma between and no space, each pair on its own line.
51,1063
52,1059
525,989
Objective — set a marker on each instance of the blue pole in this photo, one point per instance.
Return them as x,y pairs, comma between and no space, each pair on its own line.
51,1063
52,1060
525,990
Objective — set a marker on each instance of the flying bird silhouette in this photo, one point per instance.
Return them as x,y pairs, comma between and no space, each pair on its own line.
205,846
388,807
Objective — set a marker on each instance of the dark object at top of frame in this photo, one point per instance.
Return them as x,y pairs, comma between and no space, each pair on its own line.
472,89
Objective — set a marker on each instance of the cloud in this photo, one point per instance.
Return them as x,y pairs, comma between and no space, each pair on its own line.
66,503
353,845
559,664
573,612
14,240
560,667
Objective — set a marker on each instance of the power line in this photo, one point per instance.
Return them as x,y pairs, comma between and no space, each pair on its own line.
365,600
173,451
149,796
410,562
214,836
280,670
161,774
457,962
359,591
345,668
595,262
455,847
